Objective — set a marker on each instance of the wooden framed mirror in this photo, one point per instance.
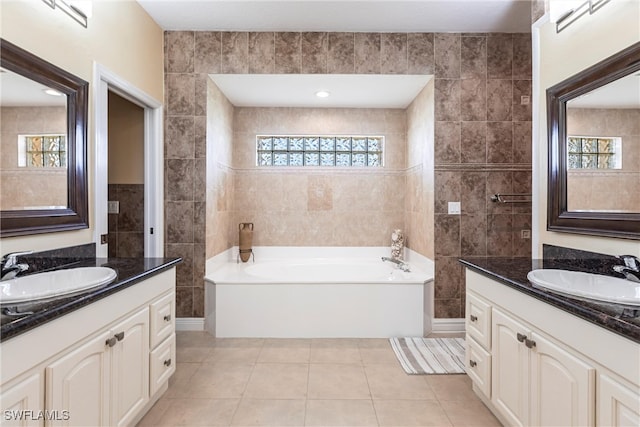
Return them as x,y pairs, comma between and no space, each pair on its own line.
594,149
47,145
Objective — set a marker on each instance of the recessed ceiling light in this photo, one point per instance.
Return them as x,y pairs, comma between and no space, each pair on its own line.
52,92
322,94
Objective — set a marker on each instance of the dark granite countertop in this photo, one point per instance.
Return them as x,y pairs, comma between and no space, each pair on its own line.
621,319
20,318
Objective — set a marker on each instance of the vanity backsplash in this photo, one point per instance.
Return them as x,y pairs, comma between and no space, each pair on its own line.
593,262
56,258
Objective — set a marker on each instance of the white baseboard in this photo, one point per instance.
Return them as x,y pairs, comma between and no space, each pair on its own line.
439,326
190,324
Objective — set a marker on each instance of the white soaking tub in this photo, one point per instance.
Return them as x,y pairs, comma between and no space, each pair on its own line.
317,293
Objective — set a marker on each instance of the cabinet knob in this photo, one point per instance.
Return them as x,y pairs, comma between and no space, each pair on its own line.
111,341
167,318
167,362
473,363
119,336
521,337
473,318
530,343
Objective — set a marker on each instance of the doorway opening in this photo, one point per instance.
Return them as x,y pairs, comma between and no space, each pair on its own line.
131,162
125,178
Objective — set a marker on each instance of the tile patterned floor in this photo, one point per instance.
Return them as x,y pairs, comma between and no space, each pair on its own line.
317,382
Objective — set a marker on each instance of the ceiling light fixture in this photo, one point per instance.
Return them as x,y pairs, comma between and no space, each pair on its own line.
322,94
575,13
78,10
52,92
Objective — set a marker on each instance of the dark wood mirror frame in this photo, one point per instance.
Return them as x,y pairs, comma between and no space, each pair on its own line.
614,224
76,214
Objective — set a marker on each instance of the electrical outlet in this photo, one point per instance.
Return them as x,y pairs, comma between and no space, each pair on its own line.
525,234
454,208
525,100
113,207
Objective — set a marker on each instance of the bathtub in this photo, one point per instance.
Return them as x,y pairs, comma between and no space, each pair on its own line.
317,293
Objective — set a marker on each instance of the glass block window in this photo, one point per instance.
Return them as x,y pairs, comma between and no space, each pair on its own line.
342,151
588,152
42,151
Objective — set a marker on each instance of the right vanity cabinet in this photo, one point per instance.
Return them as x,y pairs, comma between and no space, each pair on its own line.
534,364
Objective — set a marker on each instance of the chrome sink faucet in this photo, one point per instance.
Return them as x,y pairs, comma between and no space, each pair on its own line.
401,264
10,266
630,269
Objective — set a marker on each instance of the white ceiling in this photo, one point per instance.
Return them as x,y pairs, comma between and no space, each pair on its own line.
346,90
19,91
622,93
347,15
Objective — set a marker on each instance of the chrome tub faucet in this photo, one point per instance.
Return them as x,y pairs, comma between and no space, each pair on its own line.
630,269
401,264
10,266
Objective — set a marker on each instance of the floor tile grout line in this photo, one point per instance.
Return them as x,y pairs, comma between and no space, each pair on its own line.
253,367
306,395
373,405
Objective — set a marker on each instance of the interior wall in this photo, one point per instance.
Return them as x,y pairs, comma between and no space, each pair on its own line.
220,172
419,188
482,147
126,141
319,206
126,177
133,52
589,40
591,189
22,186
478,77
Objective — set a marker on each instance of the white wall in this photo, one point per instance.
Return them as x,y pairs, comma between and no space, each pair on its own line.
586,42
120,36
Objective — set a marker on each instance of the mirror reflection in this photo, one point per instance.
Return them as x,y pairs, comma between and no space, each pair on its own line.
33,145
603,148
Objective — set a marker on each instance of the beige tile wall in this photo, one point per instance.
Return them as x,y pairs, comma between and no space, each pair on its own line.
20,187
419,199
482,137
319,206
592,189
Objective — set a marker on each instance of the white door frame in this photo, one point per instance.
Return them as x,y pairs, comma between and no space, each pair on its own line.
105,81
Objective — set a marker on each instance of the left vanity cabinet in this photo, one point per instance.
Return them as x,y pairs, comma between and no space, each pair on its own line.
102,365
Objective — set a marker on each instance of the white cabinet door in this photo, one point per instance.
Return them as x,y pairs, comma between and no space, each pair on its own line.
130,368
21,400
510,368
618,405
562,386
79,383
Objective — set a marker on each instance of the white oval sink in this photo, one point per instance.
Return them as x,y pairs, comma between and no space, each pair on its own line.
587,285
54,283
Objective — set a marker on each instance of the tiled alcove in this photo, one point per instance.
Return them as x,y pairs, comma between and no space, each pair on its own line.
482,133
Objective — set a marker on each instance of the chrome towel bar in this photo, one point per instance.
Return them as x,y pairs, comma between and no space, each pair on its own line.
512,198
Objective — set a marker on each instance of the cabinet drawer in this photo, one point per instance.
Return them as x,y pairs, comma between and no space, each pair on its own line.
478,363
163,315
162,363
478,322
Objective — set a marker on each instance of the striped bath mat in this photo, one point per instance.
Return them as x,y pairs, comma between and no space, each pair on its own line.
420,356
